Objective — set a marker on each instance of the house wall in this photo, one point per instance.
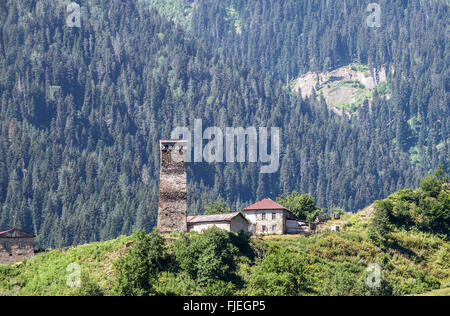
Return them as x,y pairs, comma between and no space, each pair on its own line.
239,224
258,222
11,252
201,227
236,225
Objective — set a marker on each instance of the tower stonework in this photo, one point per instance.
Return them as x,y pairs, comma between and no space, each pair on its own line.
172,204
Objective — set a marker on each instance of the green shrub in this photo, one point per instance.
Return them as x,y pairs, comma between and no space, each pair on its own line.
381,227
282,272
137,270
207,257
426,209
88,287
219,288
342,280
418,284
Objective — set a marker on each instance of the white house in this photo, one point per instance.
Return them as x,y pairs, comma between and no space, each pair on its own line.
233,222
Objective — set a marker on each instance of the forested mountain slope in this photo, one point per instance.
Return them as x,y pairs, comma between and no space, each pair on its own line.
82,111
290,38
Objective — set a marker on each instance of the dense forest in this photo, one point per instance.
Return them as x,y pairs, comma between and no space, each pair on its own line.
83,109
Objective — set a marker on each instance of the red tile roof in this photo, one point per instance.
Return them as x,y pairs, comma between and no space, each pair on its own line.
266,204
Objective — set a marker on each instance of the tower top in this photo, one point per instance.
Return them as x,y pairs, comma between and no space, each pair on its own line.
170,145
173,142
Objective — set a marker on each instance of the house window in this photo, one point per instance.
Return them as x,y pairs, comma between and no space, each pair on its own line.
263,216
20,245
274,215
274,228
264,229
6,245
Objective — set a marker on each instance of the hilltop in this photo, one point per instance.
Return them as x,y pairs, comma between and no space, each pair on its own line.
413,259
419,266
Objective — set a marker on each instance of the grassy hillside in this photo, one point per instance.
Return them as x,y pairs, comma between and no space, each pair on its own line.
398,246
441,292
47,273
337,263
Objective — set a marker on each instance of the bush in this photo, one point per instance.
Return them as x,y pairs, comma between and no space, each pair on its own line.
137,270
207,257
342,280
219,288
282,273
381,227
419,284
426,209
88,287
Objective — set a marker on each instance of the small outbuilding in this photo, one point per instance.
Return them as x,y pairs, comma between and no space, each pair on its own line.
232,222
16,245
335,228
294,226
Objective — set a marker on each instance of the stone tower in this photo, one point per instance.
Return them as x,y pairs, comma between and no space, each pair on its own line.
172,205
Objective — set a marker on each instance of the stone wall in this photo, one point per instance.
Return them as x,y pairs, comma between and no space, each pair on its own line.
172,204
14,250
236,225
239,224
267,222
